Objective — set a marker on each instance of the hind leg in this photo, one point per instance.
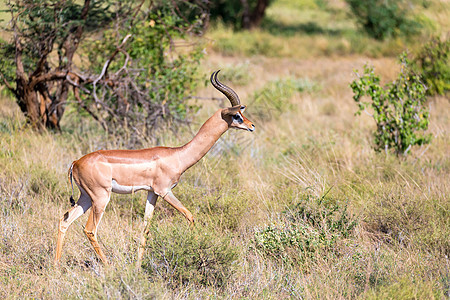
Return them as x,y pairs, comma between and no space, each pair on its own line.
99,201
149,208
83,204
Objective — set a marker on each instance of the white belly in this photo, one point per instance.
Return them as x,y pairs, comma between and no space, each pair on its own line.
127,189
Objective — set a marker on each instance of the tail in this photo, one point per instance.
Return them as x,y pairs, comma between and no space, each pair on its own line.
72,201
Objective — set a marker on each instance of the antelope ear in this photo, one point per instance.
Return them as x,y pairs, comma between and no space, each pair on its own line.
231,111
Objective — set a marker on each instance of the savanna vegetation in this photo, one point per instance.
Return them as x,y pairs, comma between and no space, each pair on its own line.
304,207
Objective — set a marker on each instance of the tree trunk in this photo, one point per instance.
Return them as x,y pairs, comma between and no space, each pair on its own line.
41,109
254,18
27,99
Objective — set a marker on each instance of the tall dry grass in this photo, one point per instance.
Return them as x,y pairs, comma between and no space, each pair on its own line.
269,206
316,148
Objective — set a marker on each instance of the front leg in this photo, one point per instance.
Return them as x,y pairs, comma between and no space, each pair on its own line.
149,208
170,197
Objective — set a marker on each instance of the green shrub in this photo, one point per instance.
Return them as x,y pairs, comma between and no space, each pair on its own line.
308,227
384,18
180,255
229,12
432,62
398,109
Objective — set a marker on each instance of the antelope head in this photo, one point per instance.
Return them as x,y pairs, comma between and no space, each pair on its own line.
233,115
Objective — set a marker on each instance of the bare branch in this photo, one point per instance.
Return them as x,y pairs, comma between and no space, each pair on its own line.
127,58
108,62
75,84
76,93
106,66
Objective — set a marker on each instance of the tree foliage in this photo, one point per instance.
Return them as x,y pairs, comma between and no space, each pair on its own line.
117,59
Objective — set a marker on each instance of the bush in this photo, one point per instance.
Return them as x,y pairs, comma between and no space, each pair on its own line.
398,109
310,226
384,18
180,255
432,62
154,78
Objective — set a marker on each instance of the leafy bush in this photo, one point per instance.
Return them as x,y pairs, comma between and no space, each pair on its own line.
432,62
180,255
398,109
312,225
384,18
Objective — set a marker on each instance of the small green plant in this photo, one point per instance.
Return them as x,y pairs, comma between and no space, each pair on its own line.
398,109
432,62
310,226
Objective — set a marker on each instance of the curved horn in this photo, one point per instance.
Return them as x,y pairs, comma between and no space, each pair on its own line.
227,91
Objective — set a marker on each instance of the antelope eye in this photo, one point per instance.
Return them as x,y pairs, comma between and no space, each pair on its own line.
238,118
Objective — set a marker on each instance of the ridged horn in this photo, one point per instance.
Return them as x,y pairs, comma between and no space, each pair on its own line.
227,91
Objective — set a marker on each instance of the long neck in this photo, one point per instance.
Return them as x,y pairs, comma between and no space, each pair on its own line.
206,137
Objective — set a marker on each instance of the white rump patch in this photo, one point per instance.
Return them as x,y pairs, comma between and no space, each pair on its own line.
127,189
